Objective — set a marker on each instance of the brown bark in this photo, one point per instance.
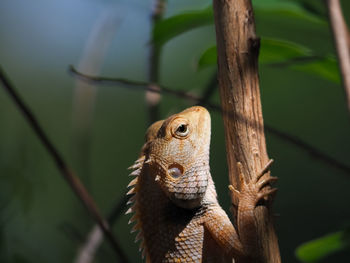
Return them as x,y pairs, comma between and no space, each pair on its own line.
238,49
341,41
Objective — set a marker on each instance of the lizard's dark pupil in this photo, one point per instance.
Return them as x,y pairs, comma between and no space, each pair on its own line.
182,128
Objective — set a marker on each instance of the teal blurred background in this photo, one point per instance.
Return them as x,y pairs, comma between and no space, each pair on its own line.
40,218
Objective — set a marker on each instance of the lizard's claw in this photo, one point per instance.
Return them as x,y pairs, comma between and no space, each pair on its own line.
265,181
234,190
236,195
254,190
264,170
261,182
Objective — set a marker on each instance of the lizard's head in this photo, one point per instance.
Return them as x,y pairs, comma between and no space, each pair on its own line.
177,149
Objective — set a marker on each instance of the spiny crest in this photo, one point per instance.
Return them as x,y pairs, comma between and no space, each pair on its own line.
136,170
136,167
137,164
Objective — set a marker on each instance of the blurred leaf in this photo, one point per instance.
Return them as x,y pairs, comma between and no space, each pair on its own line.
168,28
275,50
287,54
171,27
317,249
208,58
326,68
286,10
271,51
316,7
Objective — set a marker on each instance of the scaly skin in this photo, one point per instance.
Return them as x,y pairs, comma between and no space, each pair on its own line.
174,200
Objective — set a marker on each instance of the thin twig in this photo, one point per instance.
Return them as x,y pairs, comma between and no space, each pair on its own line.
142,85
340,35
315,153
65,171
153,99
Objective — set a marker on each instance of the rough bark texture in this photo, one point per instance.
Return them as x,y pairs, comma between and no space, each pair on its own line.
238,49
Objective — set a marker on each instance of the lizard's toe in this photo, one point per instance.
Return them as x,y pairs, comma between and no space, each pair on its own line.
266,193
264,181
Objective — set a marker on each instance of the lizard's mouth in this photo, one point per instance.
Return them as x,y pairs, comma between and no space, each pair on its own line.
186,203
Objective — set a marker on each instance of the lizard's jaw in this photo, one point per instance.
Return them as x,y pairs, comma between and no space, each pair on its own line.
186,190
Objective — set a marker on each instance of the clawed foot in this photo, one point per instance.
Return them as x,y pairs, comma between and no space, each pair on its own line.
254,190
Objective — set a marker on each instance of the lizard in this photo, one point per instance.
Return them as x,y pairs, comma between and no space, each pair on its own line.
174,201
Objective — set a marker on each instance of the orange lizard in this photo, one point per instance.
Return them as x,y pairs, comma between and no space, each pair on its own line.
174,199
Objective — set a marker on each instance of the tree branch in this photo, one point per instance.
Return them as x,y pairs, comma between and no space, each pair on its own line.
153,99
340,35
141,85
308,148
66,173
238,49
297,142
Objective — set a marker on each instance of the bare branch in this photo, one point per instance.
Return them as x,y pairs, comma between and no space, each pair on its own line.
340,35
238,49
86,253
142,85
65,171
153,99
308,148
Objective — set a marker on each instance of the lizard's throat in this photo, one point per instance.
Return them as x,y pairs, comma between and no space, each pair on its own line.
189,188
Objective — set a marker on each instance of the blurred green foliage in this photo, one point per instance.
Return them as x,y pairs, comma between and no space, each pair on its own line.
316,250
40,218
271,51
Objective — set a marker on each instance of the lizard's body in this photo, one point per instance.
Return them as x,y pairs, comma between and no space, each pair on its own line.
174,202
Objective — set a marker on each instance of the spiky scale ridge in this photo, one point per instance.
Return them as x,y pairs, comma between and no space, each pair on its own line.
133,182
137,166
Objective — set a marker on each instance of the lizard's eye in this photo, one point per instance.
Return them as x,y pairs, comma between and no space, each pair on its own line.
182,130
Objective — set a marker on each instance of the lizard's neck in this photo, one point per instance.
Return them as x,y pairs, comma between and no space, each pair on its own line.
152,199
159,216
150,196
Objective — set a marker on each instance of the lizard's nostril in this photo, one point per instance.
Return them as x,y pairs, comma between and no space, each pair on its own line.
175,170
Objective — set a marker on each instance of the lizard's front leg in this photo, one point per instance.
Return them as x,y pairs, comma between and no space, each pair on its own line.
251,192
